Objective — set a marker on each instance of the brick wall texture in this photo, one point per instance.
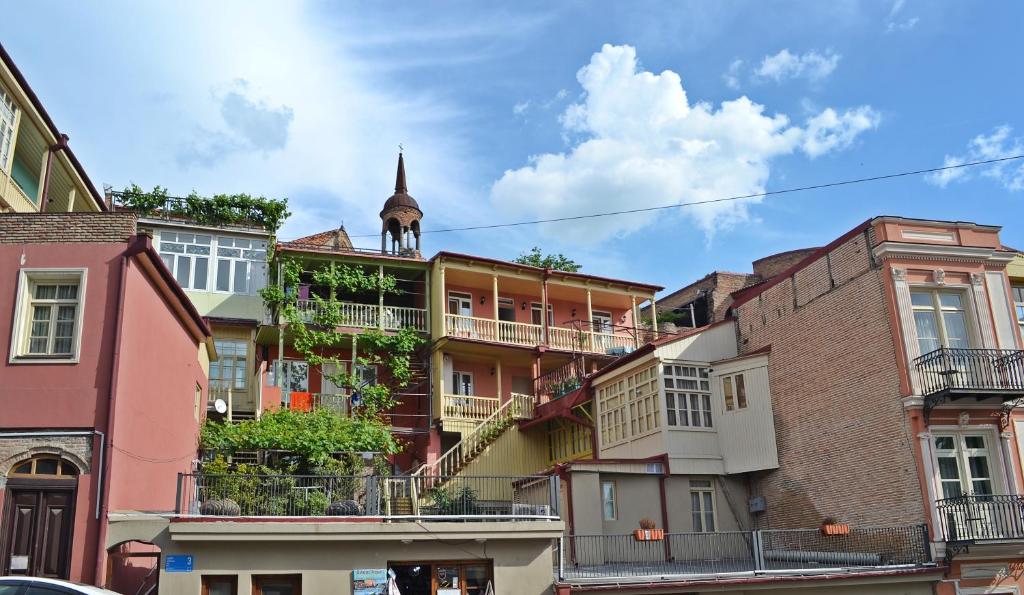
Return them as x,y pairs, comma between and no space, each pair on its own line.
719,284
14,449
42,228
769,266
845,448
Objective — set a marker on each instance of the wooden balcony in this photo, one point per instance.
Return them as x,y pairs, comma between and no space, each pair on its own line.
577,339
469,407
388,318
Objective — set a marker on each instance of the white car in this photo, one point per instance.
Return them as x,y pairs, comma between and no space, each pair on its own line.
31,585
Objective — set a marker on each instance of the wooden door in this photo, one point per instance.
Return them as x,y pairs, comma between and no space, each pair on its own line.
37,530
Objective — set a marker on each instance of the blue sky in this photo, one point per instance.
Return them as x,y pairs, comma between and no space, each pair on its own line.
549,109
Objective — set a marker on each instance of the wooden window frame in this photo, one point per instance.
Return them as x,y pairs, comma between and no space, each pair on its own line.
28,278
205,588
295,579
937,309
460,295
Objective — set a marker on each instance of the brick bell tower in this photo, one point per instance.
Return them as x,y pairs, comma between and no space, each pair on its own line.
400,218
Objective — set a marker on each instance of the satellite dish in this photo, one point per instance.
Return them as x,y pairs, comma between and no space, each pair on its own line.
220,406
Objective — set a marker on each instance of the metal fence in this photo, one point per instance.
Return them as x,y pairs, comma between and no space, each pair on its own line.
605,557
973,518
971,369
484,498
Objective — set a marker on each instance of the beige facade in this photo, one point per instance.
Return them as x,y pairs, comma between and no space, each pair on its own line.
323,555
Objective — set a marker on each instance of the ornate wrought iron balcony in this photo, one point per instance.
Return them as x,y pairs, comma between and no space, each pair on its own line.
970,520
951,374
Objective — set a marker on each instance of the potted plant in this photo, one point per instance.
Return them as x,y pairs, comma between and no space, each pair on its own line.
831,526
647,532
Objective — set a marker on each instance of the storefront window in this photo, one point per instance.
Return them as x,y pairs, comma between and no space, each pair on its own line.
443,578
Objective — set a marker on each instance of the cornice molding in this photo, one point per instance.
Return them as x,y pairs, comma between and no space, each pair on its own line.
903,250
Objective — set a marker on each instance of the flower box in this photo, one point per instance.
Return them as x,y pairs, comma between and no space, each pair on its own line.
835,529
649,534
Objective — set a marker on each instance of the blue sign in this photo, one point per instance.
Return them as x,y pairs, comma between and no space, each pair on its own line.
178,563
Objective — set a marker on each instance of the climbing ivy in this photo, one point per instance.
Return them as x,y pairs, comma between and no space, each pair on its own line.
314,331
220,209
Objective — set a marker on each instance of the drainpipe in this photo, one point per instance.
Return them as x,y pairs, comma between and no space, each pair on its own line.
101,551
60,145
54,433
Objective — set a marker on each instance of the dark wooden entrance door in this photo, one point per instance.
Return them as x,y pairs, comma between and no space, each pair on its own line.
37,527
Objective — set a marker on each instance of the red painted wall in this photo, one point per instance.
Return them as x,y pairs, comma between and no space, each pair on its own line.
155,428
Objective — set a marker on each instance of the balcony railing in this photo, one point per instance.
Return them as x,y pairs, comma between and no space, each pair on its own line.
396,498
971,371
969,519
578,338
370,315
468,407
736,552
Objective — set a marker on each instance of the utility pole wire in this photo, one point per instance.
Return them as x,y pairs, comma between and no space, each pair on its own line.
717,200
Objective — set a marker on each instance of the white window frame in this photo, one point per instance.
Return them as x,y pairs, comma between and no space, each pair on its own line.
609,497
734,382
1017,292
536,307
457,386
462,298
27,279
992,449
602,322
178,257
682,397
937,309
700,491
8,129
255,245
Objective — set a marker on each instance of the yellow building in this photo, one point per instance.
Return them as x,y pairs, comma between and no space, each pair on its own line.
1015,270
38,170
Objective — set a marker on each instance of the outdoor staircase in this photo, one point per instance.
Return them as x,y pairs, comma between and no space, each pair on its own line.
474,443
416,391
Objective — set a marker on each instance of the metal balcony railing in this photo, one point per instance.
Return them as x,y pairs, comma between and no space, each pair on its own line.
971,370
609,557
393,498
968,519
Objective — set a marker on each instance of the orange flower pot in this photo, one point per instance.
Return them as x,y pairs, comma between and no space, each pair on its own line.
835,529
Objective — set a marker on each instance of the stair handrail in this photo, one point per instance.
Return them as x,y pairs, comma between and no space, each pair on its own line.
523,407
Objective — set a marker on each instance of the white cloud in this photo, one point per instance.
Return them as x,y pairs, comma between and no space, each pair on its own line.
998,144
785,65
893,24
643,143
732,76
830,130
520,107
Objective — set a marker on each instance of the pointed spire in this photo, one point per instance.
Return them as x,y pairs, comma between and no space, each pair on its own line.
400,187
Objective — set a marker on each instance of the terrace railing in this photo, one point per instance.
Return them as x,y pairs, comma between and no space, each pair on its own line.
609,557
393,498
370,315
971,370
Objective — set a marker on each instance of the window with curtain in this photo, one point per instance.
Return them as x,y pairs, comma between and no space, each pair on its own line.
940,319
702,505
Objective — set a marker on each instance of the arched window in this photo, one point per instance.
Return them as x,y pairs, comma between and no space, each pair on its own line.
44,467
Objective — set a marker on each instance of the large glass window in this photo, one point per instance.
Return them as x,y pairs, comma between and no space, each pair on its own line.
187,256
1018,303
702,505
239,261
230,369
964,464
940,319
687,396
8,111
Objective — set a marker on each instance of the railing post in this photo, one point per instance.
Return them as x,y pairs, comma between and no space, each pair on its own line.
177,496
561,558
927,543
553,497
758,545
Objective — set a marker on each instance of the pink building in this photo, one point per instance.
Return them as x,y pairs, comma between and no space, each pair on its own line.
103,379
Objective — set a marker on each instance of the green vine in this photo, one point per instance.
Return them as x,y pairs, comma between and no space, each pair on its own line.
314,331
220,209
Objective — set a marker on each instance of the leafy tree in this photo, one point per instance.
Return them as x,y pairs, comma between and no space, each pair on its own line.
557,262
219,209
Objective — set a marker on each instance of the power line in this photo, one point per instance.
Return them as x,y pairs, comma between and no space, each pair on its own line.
716,200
